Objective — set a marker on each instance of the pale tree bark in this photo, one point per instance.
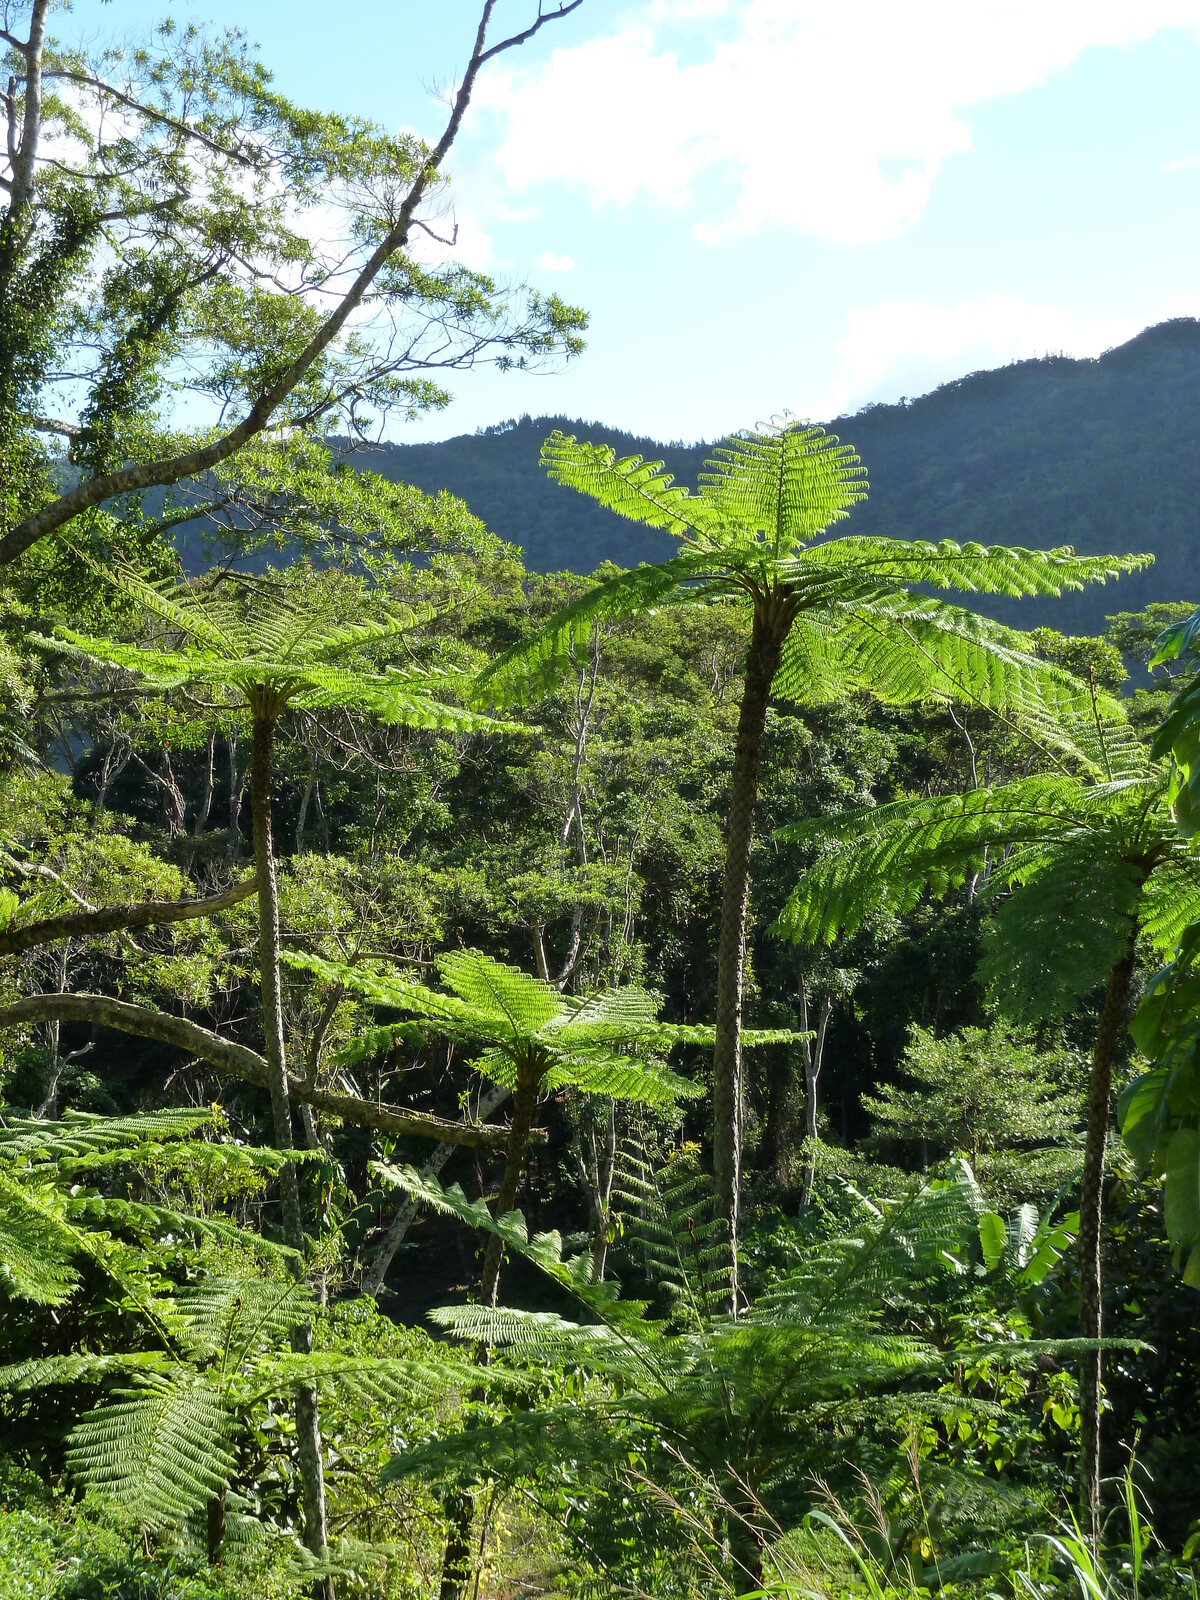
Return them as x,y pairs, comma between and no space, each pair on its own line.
23,138
585,695
206,797
814,1058
773,616
237,788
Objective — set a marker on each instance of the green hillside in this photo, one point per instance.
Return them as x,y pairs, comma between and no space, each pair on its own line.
1102,454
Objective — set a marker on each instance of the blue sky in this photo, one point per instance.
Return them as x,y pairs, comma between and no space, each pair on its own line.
784,204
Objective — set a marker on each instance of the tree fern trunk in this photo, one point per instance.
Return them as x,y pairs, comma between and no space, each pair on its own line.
524,1105
459,1507
771,623
215,1527
1091,1206
308,1430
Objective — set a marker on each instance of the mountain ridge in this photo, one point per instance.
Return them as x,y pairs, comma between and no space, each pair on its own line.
1102,453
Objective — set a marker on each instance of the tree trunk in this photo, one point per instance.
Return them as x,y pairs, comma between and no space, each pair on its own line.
206,796
524,1104
215,1527
459,1507
308,1431
1091,1204
772,618
814,1056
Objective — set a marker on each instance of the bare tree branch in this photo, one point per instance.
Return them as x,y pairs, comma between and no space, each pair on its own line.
112,919
244,1063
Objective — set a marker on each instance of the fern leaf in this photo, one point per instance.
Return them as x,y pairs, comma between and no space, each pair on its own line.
160,1450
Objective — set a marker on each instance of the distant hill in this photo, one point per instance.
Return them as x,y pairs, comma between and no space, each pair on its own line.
1102,454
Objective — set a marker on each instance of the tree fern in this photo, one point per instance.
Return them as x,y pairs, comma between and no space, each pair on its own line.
273,651
1076,872
828,616
1160,1111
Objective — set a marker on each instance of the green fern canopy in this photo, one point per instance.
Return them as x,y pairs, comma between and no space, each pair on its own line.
1070,870
276,648
609,1043
862,618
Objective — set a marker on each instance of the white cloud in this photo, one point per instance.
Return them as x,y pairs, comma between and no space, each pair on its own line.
549,262
907,347
1182,163
827,119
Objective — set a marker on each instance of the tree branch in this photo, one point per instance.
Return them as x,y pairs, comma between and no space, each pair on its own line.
244,1063
112,919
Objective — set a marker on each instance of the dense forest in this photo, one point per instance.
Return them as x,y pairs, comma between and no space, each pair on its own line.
674,1076
1100,454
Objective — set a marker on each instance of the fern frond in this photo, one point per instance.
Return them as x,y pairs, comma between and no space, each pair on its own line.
885,857
631,487
43,1372
79,1133
785,485
970,568
904,649
534,665
161,1450
1051,944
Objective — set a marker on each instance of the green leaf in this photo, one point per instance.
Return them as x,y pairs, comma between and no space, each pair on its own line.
1181,1191
993,1238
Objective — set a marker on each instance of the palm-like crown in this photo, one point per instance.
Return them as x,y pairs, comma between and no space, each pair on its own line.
281,649
862,620
607,1043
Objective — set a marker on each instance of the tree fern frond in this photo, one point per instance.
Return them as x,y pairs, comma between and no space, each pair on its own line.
379,1380
1172,898
619,1077
970,568
534,665
161,1449
785,485
231,1317
544,1249
907,648
1049,947
632,487
527,1004
43,1372
886,857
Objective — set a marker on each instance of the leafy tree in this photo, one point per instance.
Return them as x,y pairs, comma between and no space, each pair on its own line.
154,219
1076,872
828,617
991,1096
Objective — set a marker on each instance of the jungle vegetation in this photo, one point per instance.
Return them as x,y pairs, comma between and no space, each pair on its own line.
678,1081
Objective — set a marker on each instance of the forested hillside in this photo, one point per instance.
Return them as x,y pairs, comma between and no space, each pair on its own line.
678,1083
1101,454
